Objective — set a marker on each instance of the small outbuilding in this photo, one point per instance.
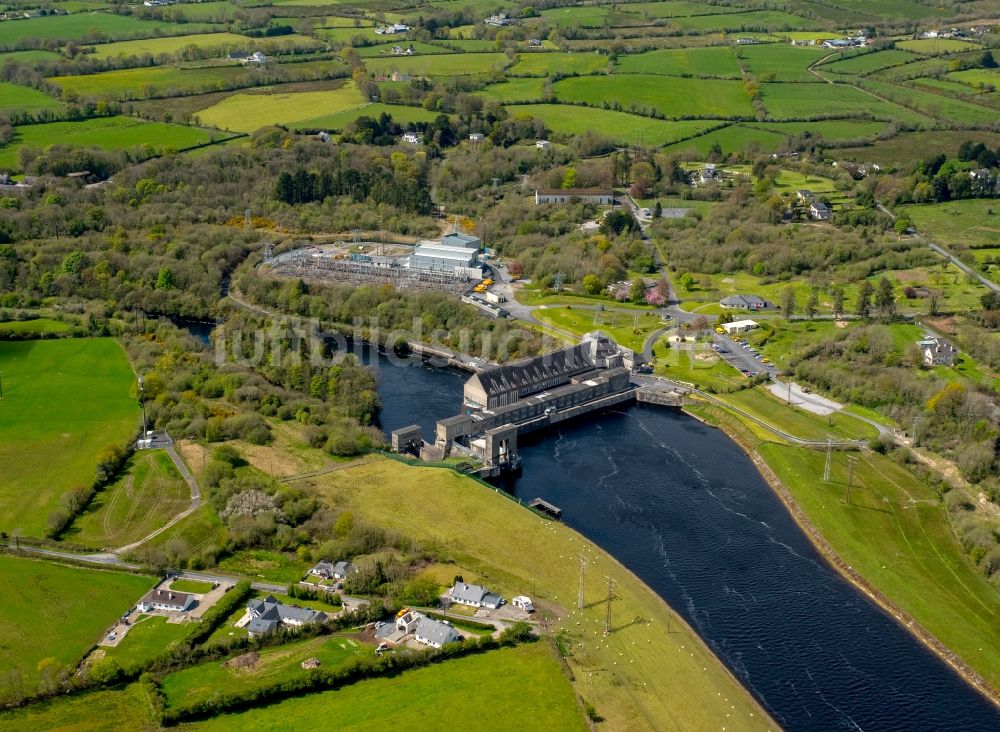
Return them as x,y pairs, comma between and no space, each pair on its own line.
739,326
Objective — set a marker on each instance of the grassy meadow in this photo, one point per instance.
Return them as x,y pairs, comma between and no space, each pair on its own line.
14,98
142,500
973,222
671,97
88,27
710,61
53,613
64,400
147,81
246,112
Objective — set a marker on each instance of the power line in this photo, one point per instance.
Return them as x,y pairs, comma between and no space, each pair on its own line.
579,593
611,594
829,458
851,462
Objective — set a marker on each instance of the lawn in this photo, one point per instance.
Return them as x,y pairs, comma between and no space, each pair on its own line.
449,64
34,328
64,400
53,611
151,636
973,222
110,133
193,586
146,81
620,126
138,503
202,682
247,112
710,61
340,120
895,533
703,368
87,27
654,684
780,61
798,422
669,96
621,326
99,711
14,98
545,64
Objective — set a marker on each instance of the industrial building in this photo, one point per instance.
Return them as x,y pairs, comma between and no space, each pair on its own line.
597,196
454,253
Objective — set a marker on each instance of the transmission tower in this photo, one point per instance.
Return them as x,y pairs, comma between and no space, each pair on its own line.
611,594
579,592
829,458
268,251
559,281
246,219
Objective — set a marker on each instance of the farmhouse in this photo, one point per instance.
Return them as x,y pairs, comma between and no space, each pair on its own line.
434,633
744,302
329,570
804,194
475,137
739,326
412,138
937,352
599,196
819,211
393,29
474,596
159,599
267,615
543,144
499,20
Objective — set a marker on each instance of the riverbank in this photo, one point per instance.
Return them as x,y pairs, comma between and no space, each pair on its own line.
906,620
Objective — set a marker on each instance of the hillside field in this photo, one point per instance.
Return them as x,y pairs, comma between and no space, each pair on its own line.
63,401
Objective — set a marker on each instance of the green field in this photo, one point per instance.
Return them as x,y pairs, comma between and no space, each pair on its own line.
618,325
264,564
712,61
545,64
119,710
898,151
828,129
450,64
780,61
866,63
935,105
797,101
384,50
87,26
195,532
486,686
34,328
732,138
620,126
399,113
198,683
653,680
64,400
973,222
28,57
221,41
669,96
14,98
150,81
754,20
895,532
799,422
110,133
54,611
977,78
143,500
934,46
515,90
196,587
247,112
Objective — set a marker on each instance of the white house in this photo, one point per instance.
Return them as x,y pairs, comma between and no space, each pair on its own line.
159,599
474,596
413,138
393,29
543,144
267,615
475,137
435,633
739,326
937,352
819,211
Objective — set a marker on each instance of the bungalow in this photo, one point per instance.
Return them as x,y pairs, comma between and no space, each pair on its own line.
474,596
435,633
819,211
543,144
475,137
534,43
329,570
159,599
937,352
744,302
804,194
499,20
739,326
267,615
412,138
399,76
393,29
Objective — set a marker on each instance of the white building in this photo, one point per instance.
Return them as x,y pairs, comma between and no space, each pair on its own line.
937,352
412,138
393,29
739,326
599,196
168,600
543,144
474,596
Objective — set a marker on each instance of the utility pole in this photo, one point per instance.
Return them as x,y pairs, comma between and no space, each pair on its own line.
829,457
851,462
579,592
789,393
142,401
611,594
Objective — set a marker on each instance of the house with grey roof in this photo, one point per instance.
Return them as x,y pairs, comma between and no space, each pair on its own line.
819,211
937,352
267,615
435,633
331,570
474,596
167,600
744,302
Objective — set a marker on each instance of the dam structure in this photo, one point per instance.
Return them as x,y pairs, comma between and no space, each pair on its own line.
501,402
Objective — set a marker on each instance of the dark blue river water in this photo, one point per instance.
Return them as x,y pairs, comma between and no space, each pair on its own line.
680,505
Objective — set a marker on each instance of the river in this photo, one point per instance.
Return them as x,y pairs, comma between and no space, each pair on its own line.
682,506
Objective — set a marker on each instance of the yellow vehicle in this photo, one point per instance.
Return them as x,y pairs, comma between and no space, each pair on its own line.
487,282
720,330
765,360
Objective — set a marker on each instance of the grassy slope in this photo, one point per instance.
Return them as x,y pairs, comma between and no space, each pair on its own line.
102,711
36,326
151,636
511,688
682,688
138,503
40,597
24,99
895,532
64,401
620,126
671,96
248,112
968,222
